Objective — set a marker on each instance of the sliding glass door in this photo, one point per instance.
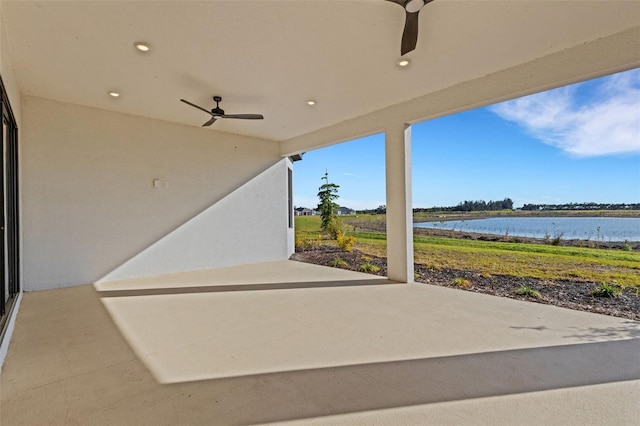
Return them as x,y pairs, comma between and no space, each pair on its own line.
9,216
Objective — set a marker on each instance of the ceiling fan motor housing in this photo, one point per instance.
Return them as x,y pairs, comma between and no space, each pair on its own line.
217,110
413,6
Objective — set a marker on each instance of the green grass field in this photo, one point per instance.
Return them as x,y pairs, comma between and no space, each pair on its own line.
499,258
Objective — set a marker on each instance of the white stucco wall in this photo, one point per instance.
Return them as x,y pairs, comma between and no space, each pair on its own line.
90,206
291,248
248,225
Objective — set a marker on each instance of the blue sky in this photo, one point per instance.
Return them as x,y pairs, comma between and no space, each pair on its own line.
579,143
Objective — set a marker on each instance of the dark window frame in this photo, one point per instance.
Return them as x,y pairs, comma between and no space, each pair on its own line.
10,214
290,196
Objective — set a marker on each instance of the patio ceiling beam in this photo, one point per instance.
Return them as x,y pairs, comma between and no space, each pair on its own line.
606,55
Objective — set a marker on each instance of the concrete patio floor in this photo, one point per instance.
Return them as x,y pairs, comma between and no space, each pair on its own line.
293,342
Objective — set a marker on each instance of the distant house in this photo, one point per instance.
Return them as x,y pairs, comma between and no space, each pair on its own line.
303,211
344,211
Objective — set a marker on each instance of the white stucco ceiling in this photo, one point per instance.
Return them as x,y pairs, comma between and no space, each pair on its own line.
270,57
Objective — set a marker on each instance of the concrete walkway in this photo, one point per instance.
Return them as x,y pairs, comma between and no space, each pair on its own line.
292,342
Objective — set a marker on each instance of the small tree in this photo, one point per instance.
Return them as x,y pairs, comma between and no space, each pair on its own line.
327,193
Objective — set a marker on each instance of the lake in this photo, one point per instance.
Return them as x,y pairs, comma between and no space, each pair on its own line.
568,228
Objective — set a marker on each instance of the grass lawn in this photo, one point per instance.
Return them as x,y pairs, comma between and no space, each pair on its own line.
499,258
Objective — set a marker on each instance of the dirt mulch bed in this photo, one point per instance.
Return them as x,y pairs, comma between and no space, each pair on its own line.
565,294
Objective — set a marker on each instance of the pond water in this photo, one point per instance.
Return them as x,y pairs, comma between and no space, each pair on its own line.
568,228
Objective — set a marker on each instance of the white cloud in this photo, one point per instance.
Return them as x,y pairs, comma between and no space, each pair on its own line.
606,122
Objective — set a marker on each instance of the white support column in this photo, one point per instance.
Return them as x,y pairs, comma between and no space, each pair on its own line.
399,208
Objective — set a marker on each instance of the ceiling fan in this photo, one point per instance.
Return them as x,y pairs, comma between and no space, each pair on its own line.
217,112
410,33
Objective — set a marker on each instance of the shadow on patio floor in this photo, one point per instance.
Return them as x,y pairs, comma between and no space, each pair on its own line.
367,387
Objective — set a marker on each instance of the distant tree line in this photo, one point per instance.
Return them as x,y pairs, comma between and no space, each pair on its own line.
481,205
378,210
464,206
472,206
582,206
507,204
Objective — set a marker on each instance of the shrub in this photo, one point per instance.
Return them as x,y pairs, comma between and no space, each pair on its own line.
461,282
345,242
305,244
626,246
369,267
607,290
334,228
339,263
556,240
525,290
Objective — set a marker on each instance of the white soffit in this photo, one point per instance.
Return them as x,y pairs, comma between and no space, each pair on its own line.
270,57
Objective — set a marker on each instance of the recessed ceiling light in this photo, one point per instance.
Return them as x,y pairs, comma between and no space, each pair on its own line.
311,102
403,62
114,94
142,46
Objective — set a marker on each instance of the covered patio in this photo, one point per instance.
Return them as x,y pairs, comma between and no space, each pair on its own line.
148,280
292,342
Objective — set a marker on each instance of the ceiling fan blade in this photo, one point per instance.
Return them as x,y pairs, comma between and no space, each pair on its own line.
410,34
210,122
245,116
196,106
